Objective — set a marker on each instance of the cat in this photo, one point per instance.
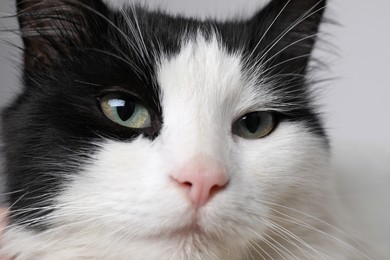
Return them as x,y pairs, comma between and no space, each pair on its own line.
144,135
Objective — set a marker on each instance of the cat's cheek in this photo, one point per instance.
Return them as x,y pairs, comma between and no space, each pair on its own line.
284,160
125,185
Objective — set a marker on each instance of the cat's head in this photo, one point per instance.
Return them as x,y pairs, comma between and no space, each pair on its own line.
161,129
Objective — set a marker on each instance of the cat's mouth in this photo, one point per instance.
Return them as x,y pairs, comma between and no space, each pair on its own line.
193,228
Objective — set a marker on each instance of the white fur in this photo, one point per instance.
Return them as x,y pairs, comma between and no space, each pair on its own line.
116,4
123,205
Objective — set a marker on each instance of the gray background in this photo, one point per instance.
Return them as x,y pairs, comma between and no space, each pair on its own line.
356,105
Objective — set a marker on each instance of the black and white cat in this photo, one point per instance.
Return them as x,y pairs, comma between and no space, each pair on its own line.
141,135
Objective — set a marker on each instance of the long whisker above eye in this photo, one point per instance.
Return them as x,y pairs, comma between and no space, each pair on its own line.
269,48
268,29
129,41
136,32
58,28
299,20
264,63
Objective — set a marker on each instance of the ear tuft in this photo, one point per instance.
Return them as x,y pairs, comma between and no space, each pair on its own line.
50,28
285,33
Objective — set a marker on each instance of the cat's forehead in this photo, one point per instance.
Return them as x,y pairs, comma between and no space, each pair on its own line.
205,76
218,62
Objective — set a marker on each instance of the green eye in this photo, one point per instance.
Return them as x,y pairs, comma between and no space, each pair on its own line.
125,111
254,125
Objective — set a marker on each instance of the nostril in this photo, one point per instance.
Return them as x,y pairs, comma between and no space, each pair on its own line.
184,184
187,184
215,189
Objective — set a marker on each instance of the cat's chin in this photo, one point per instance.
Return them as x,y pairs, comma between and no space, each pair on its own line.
194,243
188,231
190,242
194,233
200,239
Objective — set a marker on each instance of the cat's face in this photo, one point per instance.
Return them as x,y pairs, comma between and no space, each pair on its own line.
161,131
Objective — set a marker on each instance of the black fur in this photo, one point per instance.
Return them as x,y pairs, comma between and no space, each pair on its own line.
56,122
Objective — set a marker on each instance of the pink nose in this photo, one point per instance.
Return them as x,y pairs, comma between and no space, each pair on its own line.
201,178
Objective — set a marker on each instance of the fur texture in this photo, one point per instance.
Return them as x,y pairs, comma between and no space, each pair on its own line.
83,187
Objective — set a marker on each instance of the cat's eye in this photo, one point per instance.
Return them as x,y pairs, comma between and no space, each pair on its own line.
254,125
126,111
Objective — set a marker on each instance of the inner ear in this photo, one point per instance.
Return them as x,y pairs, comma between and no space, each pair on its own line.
52,28
285,33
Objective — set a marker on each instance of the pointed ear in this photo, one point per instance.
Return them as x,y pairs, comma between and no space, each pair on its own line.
51,28
285,33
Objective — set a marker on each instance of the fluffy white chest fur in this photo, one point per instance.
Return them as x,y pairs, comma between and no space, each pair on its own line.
196,189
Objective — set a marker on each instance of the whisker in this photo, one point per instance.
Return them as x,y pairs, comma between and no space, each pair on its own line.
281,246
301,223
290,45
283,232
255,249
56,229
312,217
269,28
299,20
268,243
137,33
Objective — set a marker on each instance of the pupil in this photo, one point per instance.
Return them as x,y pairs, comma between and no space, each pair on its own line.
126,110
252,122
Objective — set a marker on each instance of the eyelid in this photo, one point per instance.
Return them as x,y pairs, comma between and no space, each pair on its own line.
277,114
120,90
